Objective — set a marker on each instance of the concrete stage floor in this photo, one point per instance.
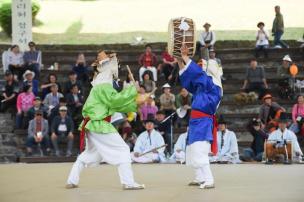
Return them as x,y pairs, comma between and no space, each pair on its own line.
246,182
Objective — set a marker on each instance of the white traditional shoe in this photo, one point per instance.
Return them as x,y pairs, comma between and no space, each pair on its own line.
195,183
207,186
135,186
71,186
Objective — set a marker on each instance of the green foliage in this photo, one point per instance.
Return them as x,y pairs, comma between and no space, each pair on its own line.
6,15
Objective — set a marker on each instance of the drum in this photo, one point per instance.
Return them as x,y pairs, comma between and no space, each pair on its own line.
181,30
273,150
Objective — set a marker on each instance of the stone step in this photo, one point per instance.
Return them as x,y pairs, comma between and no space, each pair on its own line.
47,159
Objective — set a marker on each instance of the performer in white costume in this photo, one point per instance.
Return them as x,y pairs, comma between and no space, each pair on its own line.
179,155
103,142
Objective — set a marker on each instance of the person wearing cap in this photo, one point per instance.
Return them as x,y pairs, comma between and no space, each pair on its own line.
255,79
147,141
28,79
37,106
62,128
167,100
8,97
283,70
283,134
148,82
179,154
206,87
15,61
183,103
262,43
32,59
51,100
255,152
207,40
72,81
227,145
148,109
147,61
38,133
278,28
268,111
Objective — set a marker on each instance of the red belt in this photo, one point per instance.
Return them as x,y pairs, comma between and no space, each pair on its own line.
82,132
195,114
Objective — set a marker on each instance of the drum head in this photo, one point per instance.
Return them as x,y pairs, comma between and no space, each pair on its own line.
181,112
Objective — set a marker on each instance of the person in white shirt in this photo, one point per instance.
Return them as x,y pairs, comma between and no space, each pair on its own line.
147,141
262,42
15,61
206,41
282,135
179,155
226,144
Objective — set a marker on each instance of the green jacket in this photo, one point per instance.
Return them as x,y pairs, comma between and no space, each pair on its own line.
104,101
278,23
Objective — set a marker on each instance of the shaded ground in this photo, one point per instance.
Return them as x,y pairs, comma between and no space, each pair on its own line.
248,182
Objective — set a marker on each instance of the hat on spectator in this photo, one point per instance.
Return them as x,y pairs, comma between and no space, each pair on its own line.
150,119
207,24
8,72
211,50
256,122
287,58
166,86
260,23
283,117
28,72
37,98
63,108
221,120
267,96
39,112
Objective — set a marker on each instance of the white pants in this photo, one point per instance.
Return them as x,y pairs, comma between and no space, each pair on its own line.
227,157
152,69
197,157
148,158
109,148
178,157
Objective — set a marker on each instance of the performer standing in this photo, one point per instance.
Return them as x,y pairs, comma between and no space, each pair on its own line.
103,141
205,85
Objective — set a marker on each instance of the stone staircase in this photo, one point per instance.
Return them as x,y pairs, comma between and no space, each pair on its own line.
234,61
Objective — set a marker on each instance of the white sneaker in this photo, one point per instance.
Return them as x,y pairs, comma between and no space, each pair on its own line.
135,186
207,186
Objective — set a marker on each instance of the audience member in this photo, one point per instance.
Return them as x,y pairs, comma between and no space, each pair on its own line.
183,105
148,109
148,82
128,82
148,61
9,95
51,100
55,111
298,116
142,96
38,134
15,61
262,43
62,129
206,41
128,135
32,59
179,155
167,100
164,128
278,28
37,107
75,102
227,145
81,68
255,152
72,81
46,88
169,63
286,81
24,103
255,79
149,140
28,77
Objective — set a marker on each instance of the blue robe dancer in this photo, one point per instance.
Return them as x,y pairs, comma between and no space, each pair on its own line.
205,85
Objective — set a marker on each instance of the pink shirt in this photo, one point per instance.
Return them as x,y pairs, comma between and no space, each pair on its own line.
148,109
297,110
25,101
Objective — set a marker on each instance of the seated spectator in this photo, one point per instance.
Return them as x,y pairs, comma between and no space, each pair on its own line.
269,113
62,129
28,77
169,63
128,135
148,109
206,41
75,102
9,95
282,135
183,105
214,62
147,141
46,88
55,111
262,37
142,96
37,107
24,103
286,81
179,155
227,145
128,82
32,59
38,134
298,116
255,79
15,61
148,61
72,81
164,128
52,99
255,152
148,82
167,100
81,69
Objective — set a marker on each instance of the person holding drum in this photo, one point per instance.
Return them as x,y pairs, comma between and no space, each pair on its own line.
281,137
